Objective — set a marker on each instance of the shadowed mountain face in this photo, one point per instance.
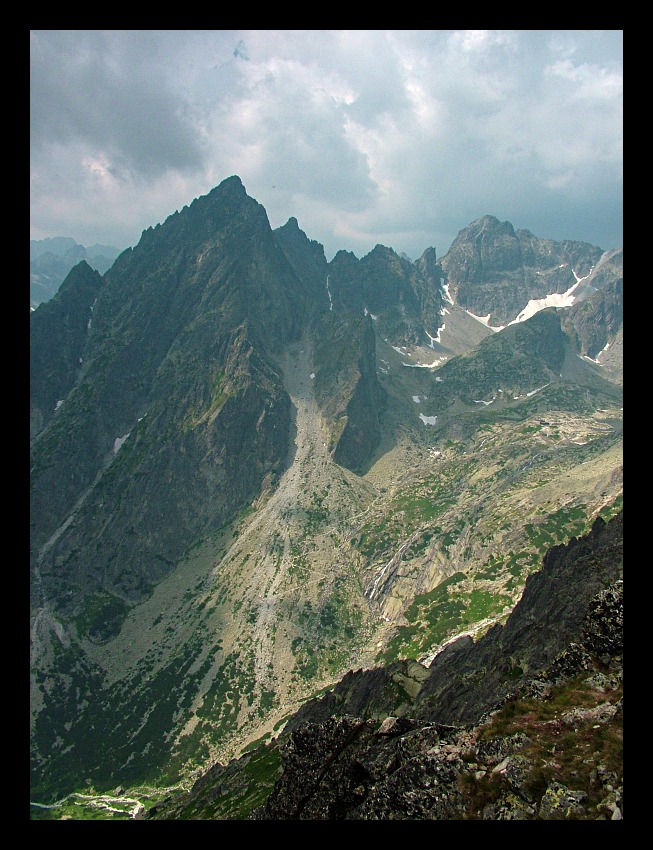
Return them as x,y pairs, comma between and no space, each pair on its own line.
57,340
253,470
177,365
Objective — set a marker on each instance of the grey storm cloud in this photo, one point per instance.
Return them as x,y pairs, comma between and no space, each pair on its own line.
401,137
80,89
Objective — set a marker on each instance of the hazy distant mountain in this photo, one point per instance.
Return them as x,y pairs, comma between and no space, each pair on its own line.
51,259
253,470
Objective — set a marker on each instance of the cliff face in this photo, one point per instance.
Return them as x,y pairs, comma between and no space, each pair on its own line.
598,319
307,258
404,298
58,333
347,389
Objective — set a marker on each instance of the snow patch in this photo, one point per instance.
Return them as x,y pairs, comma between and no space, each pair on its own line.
557,299
117,443
445,290
484,402
419,398
329,293
532,392
58,404
312,375
435,364
485,320
428,420
435,338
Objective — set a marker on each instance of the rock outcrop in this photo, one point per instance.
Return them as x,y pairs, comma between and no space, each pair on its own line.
347,389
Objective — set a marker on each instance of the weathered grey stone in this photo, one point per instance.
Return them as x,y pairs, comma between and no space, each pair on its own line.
560,802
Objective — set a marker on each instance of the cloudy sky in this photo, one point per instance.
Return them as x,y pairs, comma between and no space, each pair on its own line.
398,137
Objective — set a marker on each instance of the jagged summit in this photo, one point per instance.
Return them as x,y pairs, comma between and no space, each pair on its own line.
229,187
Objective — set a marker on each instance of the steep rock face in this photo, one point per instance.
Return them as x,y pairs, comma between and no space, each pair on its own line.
404,298
386,281
58,332
494,271
187,475
429,290
346,386
597,320
178,407
307,259
344,282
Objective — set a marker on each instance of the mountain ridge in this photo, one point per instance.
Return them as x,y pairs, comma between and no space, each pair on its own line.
256,478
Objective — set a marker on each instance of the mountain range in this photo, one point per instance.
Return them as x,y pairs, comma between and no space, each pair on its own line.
51,259
254,471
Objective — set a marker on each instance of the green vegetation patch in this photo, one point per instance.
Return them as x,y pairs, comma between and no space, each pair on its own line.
249,786
558,527
482,604
433,616
102,617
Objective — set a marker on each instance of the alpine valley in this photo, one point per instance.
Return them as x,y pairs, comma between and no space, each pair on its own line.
298,528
